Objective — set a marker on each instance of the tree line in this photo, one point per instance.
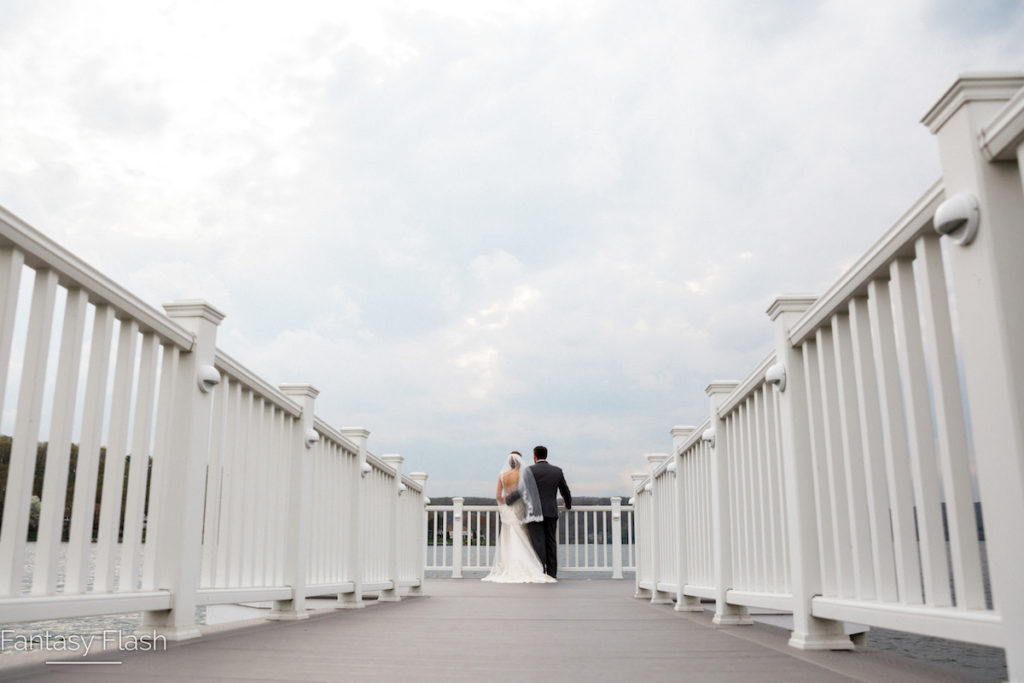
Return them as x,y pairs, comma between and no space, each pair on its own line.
69,490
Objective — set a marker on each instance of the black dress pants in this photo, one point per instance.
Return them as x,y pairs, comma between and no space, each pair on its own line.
544,537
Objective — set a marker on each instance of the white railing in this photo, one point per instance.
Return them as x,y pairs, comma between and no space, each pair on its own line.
591,538
229,489
839,481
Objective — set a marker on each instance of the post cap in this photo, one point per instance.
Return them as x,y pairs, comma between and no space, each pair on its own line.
299,389
356,435
990,86
790,303
721,386
655,458
193,308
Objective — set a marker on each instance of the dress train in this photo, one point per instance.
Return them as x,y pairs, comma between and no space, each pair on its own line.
515,560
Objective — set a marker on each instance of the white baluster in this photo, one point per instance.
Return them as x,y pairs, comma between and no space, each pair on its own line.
950,429
11,263
162,447
138,470
921,438
107,549
869,399
51,520
895,447
25,441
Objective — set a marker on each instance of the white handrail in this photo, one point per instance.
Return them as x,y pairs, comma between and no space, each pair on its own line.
40,253
897,242
841,479
234,489
464,537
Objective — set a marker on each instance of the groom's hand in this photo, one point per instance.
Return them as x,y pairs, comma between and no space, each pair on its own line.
512,497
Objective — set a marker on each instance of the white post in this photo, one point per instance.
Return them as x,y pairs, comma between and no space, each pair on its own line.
684,603
181,519
357,526
457,538
809,632
394,461
721,523
299,492
617,537
987,278
421,537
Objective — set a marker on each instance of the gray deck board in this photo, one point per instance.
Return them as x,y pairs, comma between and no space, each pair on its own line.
576,630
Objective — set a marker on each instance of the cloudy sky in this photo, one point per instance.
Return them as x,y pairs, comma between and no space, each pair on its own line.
478,226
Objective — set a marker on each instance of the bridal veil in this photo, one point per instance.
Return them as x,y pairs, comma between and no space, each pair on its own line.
527,489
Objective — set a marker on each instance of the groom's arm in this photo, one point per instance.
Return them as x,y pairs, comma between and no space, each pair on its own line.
563,488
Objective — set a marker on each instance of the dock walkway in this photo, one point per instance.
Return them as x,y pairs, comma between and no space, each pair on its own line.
466,630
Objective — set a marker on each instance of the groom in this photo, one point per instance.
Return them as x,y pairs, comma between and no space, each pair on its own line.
544,535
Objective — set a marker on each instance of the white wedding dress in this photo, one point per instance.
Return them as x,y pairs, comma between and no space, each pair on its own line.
514,560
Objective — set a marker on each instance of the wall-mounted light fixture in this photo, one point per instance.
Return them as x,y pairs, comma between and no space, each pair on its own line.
208,378
776,376
958,217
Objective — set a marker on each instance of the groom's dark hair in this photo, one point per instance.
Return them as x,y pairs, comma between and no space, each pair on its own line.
540,452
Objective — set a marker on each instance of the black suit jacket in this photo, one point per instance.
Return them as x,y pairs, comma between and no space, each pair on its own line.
550,481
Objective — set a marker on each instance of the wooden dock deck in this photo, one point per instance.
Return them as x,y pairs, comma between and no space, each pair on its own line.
466,630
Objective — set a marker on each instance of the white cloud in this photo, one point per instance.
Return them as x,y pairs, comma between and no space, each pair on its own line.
482,225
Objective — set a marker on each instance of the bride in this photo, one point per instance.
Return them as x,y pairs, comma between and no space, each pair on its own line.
515,560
